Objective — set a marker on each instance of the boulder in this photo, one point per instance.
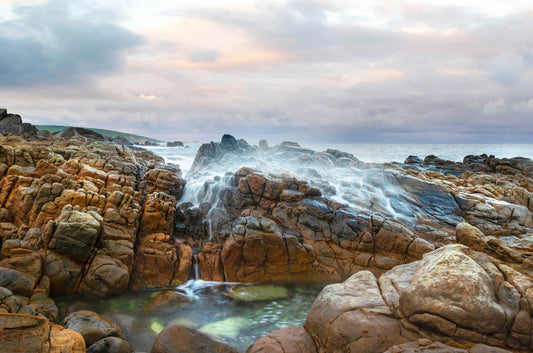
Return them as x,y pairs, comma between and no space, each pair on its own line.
424,345
413,160
12,124
286,340
175,144
180,339
92,326
111,345
453,289
453,295
29,334
353,317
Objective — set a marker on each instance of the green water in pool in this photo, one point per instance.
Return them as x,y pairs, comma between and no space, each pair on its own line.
237,313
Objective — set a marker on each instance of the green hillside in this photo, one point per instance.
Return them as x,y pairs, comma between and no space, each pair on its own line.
110,133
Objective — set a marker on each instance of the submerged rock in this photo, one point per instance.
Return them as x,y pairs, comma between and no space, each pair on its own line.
166,299
227,328
252,293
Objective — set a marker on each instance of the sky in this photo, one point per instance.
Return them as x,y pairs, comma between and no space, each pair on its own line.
385,71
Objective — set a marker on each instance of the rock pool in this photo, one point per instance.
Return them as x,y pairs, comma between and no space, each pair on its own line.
237,313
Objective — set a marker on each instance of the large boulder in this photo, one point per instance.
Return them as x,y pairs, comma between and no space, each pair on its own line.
12,124
286,340
30,334
180,339
453,295
92,326
353,317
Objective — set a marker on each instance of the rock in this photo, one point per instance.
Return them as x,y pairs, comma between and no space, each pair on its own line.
291,196
27,333
228,142
179,339
156,263
91,326
12,124
482,348
263,144
228,328
165,299
111,345
290,144
88,134
353,317
251,293
17,282
452,287
286,340
121,140
413,160
175,144
72,211
75,234
65,341
453,295
424,345
214,152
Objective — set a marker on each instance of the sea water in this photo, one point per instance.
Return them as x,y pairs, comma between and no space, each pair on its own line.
373,152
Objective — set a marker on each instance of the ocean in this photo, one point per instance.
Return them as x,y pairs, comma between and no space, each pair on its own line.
373,153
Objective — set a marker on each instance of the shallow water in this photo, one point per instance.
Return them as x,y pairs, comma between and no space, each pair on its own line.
208,309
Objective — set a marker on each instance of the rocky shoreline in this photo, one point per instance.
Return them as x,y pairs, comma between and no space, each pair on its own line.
443,262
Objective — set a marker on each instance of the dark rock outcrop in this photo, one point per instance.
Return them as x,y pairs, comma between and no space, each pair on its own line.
79,132
12,124
175,144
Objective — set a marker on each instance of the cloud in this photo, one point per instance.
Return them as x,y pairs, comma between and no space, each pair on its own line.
507,68
57,43
494,107
204,56
525,106
148,97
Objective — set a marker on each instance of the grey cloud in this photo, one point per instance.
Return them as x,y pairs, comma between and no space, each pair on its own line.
508,68
52,44
204,56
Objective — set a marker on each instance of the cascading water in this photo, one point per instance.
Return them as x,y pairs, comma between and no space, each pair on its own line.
196,267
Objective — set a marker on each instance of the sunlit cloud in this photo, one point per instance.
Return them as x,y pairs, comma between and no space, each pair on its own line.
148,97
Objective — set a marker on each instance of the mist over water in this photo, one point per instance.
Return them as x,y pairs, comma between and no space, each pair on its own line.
373,153
374,189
